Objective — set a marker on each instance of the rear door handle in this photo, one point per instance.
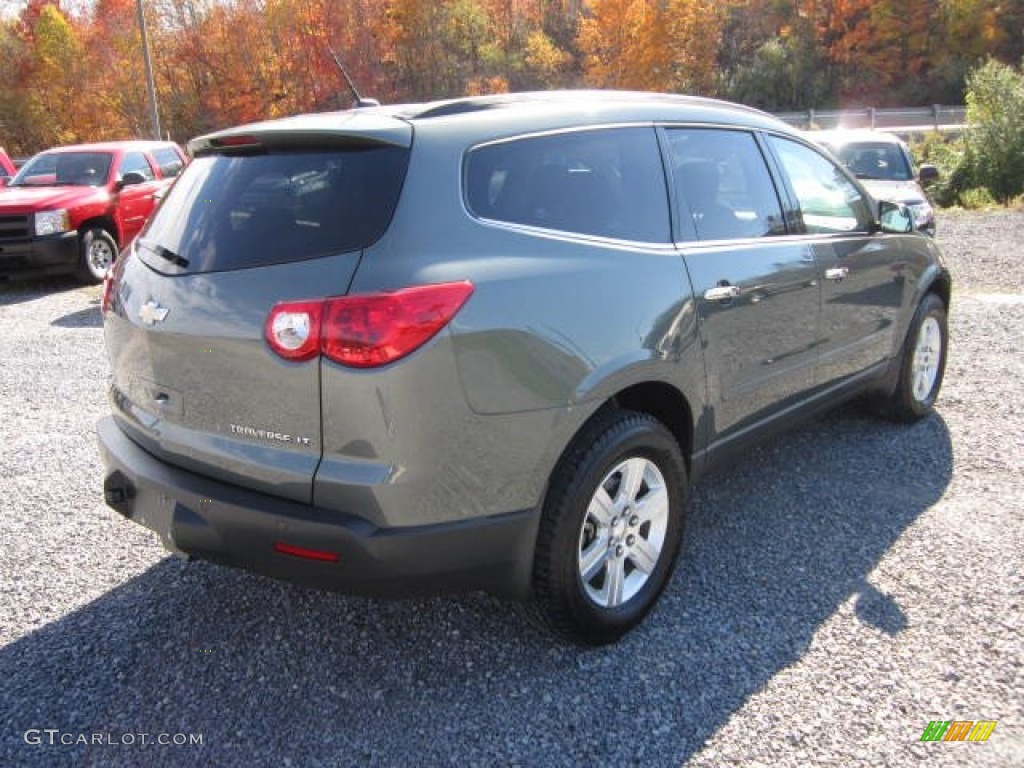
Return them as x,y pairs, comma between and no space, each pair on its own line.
836,273
722,293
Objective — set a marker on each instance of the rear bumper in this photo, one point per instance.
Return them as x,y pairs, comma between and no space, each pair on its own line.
44,255
223,523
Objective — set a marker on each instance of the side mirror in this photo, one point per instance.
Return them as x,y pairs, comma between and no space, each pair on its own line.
895,218
131,178
926,174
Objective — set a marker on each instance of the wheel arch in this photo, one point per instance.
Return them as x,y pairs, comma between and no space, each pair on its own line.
942,286
658,399
935,281
101,222
666,404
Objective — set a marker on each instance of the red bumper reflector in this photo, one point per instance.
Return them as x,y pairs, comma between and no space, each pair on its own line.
307,554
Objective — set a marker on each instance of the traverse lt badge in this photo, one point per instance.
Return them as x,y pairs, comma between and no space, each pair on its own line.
152,313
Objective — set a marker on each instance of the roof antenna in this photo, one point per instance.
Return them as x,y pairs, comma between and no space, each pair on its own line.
360,101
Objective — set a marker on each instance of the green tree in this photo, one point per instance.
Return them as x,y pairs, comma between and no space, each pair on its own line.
994,154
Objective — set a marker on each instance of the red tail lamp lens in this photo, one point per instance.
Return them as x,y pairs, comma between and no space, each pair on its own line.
108,290
377,329
368,330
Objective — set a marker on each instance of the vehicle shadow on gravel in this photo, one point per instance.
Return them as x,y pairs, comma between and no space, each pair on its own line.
17,291
265,670
90,317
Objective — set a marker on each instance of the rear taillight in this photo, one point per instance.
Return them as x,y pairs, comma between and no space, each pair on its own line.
293,329
364,331
108,290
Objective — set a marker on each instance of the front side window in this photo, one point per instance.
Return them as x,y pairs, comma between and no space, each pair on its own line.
829,202
136,162
607,183
723,182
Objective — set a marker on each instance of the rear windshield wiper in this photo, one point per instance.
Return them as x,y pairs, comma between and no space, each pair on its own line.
164,253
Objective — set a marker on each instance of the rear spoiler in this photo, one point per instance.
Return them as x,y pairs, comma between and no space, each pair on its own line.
334,130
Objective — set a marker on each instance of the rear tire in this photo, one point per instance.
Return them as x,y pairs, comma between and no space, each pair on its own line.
97,252
611,528
922,363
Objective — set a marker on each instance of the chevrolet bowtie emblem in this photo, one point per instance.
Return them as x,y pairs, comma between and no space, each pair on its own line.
152,313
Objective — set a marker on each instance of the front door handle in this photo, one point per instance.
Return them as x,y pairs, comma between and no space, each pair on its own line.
836,273
722,293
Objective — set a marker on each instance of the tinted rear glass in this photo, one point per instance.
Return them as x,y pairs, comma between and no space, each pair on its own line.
232,212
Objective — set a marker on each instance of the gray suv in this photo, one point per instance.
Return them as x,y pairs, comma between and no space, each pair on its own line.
489,343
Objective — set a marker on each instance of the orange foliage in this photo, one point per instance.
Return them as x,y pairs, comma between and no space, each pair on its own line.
75,76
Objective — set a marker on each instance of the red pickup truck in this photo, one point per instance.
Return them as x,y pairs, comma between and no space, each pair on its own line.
72,209
6,165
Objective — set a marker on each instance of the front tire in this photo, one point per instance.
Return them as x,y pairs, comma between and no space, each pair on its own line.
922,363
611,528
97,252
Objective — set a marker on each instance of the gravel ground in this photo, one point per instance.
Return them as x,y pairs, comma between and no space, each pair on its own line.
839,589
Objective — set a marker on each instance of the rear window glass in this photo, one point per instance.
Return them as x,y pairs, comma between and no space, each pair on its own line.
170,162
608,183
232,212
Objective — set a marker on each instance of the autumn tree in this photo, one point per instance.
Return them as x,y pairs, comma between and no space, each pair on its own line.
53,75
968,32
118,103
419,50
73,71
17,128
771,58
692,35
625,45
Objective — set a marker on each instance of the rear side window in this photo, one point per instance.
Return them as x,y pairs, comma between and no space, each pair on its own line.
136,162
170,162
607,183
722,179
233,212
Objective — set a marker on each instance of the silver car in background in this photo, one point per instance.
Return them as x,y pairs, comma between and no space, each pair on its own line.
884,164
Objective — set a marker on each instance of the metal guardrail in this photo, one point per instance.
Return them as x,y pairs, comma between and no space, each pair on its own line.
897,119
